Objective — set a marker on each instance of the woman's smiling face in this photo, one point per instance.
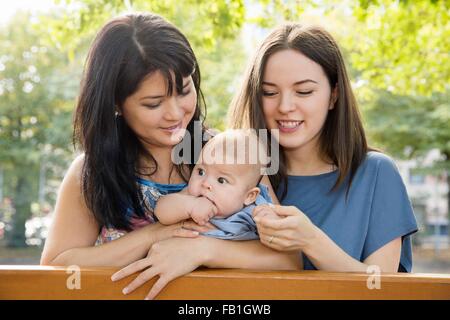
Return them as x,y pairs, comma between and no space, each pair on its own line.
296,98
156,118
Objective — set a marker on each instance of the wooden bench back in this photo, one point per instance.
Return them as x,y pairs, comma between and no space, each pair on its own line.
39,282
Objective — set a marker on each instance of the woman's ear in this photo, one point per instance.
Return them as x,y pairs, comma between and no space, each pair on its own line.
334,97
117,111
251,196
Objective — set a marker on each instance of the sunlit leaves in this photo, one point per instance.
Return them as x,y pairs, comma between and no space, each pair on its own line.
402,46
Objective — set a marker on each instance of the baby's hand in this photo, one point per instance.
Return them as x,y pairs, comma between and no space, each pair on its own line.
265,210
203,210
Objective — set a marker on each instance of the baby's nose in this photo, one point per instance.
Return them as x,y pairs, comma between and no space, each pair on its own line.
206,185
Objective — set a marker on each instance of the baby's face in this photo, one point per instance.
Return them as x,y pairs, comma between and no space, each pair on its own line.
226,185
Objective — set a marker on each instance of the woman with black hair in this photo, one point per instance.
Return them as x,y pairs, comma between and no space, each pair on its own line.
139,95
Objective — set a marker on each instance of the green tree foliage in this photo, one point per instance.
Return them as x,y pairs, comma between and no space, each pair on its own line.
402,46
416,123
402,55
34,116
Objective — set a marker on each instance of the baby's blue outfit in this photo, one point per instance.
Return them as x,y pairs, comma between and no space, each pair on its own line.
240,225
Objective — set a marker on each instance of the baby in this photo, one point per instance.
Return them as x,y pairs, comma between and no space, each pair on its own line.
223,189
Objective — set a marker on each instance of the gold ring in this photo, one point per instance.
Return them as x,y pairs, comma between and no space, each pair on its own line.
271,239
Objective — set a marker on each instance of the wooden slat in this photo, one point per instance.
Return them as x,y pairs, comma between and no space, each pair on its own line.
39,282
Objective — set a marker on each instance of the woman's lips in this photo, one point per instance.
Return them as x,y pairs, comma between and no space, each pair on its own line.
289,126
173,128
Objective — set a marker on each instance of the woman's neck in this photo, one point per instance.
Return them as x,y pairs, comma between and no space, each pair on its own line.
166,171
307,161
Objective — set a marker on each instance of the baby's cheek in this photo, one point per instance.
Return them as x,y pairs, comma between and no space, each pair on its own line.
232,203
193,190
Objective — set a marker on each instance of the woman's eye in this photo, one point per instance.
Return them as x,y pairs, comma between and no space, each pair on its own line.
152,106
269,93
304,93
201,172
186,93
222,180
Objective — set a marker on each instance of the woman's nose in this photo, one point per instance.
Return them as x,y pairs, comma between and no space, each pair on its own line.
286,104
174,111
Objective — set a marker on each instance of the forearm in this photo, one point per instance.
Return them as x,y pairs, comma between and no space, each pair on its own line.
326,255
118,253
248,255
173,208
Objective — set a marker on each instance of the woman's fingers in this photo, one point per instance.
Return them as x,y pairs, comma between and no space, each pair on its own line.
286,210
263,213
270,241
185,233
274,224
142,278
262,210
156,289
210,226
130,269
275,242
191,225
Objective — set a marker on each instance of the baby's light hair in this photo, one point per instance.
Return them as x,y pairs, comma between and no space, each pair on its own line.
237,147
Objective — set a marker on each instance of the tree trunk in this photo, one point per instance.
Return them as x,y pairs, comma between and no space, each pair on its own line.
22,203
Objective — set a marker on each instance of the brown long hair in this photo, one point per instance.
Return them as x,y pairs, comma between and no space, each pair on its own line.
124,52
342,138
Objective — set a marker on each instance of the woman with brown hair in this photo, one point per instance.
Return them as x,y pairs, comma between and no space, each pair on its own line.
344,206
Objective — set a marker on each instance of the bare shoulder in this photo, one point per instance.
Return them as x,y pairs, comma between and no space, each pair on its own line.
75,169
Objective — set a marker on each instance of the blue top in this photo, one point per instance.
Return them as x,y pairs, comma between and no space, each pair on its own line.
240,225
151,191
376,212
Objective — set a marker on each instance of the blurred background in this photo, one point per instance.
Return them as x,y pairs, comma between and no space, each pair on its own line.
397,52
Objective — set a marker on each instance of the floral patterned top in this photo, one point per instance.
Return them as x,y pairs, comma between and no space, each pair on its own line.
151,192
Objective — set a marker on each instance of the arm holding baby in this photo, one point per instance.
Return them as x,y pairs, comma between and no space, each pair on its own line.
176,207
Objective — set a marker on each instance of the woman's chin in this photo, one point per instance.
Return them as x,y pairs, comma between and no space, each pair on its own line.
291,143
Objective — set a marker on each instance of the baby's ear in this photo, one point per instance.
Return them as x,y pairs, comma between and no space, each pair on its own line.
251,196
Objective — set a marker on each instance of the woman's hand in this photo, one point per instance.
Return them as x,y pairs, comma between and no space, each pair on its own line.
183,229
159,232
283,228
190,224
168,259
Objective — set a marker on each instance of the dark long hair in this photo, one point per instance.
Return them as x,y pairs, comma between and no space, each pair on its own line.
124,52
342,139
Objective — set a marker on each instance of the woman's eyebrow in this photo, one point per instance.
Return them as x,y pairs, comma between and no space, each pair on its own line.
296,83
162,96
152,97
269,84
304,81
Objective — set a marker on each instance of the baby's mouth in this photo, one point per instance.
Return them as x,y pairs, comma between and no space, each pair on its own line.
209,198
